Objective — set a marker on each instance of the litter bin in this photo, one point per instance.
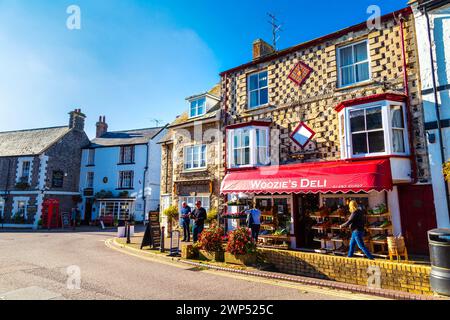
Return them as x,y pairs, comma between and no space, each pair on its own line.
439,241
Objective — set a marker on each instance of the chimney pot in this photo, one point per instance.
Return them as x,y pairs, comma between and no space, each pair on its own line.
102,127
76,120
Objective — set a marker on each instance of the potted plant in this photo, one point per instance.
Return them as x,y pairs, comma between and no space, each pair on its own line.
171,214
240,249
210,244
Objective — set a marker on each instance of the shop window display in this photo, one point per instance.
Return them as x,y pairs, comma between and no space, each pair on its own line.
275,221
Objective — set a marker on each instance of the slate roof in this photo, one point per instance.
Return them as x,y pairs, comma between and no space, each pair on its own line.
125,138
29,142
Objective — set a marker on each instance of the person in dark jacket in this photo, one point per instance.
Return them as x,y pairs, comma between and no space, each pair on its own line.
356,223
186,221
199,216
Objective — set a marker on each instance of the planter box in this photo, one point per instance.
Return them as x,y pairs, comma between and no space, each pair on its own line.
188,252
242,260
211,256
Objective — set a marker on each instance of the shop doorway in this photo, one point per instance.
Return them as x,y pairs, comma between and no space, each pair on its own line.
417,215
304,205
88,211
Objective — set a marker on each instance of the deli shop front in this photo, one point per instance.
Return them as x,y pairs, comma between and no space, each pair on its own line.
304,204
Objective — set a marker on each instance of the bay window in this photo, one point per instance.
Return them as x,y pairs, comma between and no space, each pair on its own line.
195,157
374,129
248,147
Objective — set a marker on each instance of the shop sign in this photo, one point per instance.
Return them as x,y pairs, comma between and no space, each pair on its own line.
288,185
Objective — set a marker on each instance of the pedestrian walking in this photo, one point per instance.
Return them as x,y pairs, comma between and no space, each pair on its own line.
357,223
254,222
199,217
186,221
73,218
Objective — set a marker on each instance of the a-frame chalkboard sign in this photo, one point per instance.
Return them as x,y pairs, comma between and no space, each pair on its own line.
152,235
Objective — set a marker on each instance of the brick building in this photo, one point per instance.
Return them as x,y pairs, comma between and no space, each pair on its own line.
37,165
327,121
191,159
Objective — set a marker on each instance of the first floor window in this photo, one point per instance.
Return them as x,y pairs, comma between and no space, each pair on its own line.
91,157
126,154
2,207
249,146
57,179
195,157
241,147
26,165
90,180
374,130
126,179
22,208
367,131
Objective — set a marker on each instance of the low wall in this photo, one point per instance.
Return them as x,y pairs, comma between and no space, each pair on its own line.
382,274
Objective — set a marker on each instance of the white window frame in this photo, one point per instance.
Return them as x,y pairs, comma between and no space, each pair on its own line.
197,113
199,160
20,164
91,157
88,180
339,67
253,146
16,206
347,148
122,179
2,207
258,89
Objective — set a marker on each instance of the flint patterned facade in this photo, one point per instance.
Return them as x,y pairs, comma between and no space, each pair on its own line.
191,162
40,164
345,102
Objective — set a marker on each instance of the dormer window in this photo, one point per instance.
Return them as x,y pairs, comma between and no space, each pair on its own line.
198,107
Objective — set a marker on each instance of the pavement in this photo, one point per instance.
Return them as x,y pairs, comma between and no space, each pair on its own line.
83,265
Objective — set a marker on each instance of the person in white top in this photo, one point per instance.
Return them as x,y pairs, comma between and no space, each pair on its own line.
254,222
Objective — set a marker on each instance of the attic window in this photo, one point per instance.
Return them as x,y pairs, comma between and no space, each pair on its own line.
198,107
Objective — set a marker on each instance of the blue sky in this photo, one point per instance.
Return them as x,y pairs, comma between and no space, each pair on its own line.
137,60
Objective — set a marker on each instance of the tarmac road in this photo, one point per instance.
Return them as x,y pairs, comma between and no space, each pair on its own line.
44,265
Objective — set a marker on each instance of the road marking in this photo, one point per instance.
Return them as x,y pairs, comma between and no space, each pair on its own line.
330,292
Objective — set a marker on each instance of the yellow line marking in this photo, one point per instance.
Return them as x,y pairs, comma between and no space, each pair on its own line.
112,244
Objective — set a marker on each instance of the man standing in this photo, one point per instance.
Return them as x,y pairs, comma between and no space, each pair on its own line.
199,216
186,221
254,222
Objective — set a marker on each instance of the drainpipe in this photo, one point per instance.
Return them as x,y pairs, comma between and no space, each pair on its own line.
436,104
144,181
408,102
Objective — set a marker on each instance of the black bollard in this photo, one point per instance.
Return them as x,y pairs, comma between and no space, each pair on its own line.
162,239
128,231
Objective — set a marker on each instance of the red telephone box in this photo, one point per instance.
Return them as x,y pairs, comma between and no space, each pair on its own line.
50,214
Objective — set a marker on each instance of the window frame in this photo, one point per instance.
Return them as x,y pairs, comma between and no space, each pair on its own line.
347,148
253,146
88,174
90,157
2,207
197,114
122,154
121,185
339,67
194,200
258,89
53,179
201,152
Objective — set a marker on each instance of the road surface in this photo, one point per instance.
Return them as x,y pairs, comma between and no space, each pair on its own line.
44,265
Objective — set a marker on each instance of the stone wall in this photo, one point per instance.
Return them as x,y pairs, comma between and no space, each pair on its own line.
314,101
394,276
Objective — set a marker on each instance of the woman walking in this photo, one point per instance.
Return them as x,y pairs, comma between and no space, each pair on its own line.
356,223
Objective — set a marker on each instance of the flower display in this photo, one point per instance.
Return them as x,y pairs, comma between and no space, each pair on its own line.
240,242
210,239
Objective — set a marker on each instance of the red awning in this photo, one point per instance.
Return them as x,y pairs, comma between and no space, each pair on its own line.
319,177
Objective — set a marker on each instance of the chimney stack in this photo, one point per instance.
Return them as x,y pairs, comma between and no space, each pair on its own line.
102,127
261,49
76,120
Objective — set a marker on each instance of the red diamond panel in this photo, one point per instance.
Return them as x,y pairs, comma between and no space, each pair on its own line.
300,73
